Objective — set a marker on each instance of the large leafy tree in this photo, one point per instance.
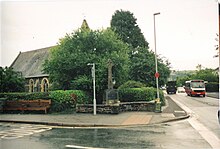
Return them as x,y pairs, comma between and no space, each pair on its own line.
142,61
68,61
11,81
207,74
143,68
125,24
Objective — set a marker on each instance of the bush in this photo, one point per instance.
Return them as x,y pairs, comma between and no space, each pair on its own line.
132,84
140,94
131,95
62,100
25,96
11,81
212,87
81,83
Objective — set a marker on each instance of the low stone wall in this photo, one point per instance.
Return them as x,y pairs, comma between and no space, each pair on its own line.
137,106
100,108
115,109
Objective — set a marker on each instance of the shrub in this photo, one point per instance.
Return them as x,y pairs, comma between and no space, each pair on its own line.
132,84
131,94
140,94
65,96
62,100
150,93
11,81
212,87
81,83
25,96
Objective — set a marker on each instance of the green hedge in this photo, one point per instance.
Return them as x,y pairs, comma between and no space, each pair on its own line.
61,100
25,96
140,94
65,96
212,87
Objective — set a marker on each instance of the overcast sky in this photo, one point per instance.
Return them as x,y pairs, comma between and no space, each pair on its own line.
186,29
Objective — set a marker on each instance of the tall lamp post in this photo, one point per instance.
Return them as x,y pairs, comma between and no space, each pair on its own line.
219,55
94,96
156,74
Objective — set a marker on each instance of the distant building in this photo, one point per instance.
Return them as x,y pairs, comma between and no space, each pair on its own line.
30,64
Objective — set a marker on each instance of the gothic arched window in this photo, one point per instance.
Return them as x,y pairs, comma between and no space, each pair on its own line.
44,85
31,85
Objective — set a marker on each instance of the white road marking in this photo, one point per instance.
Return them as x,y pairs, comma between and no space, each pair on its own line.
81,147
209,136
22,131
179,112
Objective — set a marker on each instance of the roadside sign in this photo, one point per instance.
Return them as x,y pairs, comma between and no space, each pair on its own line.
157,75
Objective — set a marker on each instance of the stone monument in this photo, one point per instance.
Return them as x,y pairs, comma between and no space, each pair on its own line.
111,95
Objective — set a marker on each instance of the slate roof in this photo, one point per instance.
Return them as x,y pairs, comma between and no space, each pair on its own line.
30,63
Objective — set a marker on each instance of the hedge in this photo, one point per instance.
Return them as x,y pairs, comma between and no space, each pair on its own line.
212,87
25,96
61,100
140,94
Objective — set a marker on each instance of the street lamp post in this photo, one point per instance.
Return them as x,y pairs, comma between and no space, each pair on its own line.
156,74
94,96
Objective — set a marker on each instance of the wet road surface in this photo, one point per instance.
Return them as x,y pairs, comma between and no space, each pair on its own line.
200,131
161,136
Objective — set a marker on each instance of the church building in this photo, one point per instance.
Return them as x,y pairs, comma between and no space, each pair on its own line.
30,64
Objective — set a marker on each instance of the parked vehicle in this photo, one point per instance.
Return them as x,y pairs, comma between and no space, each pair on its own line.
171,87
180,90
163,87
195,88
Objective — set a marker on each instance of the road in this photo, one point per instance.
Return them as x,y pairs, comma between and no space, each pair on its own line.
162,136
204,117
200,131
202,109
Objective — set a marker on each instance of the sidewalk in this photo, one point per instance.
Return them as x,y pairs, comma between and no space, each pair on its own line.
170,112
213,94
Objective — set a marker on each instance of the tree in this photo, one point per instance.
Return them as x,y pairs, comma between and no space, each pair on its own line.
143,68
142,61
180,81
207,74
199,67
124,23
217,46
67,65
10,80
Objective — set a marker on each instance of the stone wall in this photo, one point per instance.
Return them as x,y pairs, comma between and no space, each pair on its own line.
115,109
137,106
100,108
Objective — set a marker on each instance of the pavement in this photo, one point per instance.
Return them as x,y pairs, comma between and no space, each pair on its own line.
213,94
170,112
